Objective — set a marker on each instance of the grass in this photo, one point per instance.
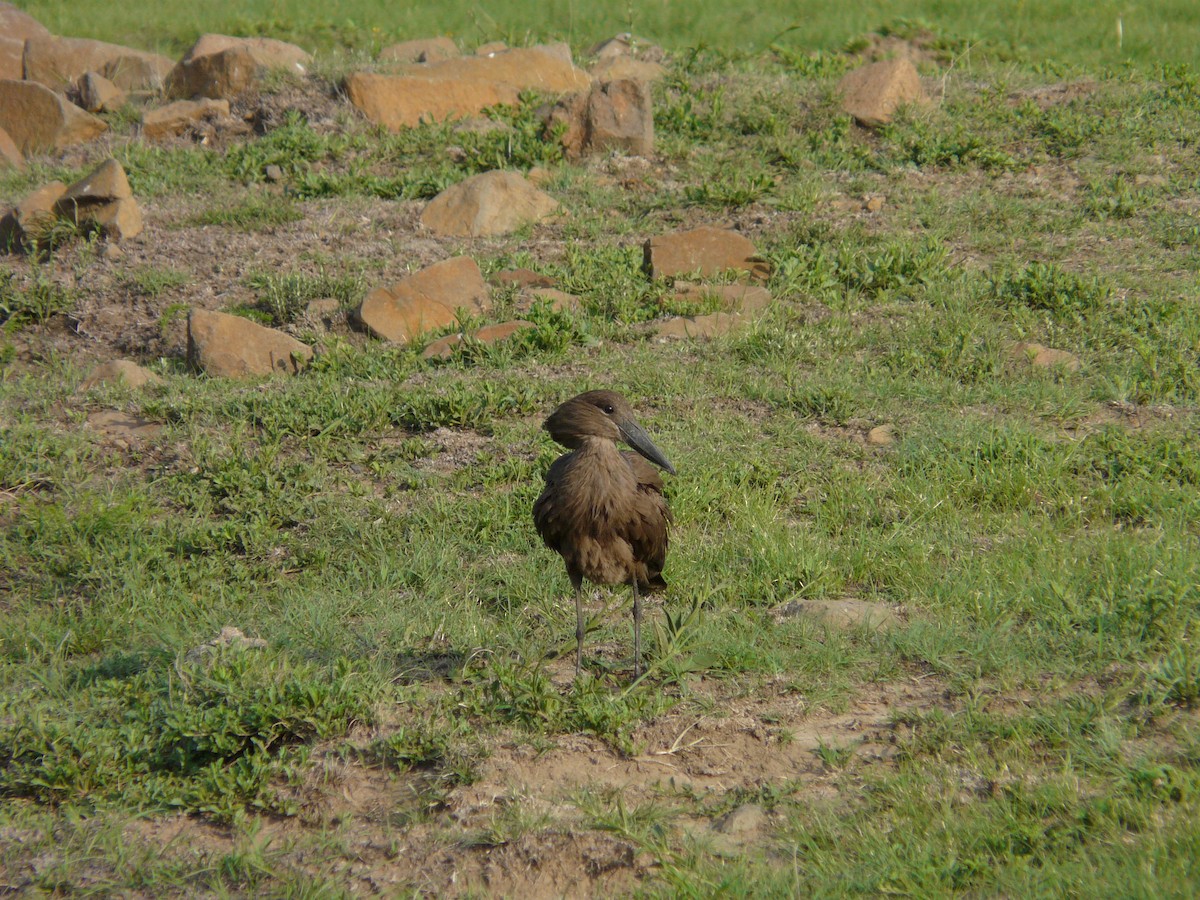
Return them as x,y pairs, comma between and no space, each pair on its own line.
1027,727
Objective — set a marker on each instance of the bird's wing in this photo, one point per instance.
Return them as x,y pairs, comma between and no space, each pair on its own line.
646,530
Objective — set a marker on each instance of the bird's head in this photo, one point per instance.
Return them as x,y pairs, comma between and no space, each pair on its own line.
602,414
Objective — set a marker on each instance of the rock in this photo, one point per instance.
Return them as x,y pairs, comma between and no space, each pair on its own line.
693,327
273,173
57,62
138,73
746,819
9,154
882,435
176,118
560,301
119,371
221,67
745,298
102,199
12,58
533,69
221,344
442,348
404,101
560,49
705,250
98,94
624,68
1046,357
522,278
217,76
491,48
426,50
19,25
123,429
323,312
614,115
23,225
843,614
228,639
38,119
874,92
874,203
622,44
424,302
486,205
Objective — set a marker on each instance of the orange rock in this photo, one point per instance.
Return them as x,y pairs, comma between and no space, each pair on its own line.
38,119
533,68
874,92
57,62
175,118
705,250
9,154
427,50
221,344
425,301
485,205
404,101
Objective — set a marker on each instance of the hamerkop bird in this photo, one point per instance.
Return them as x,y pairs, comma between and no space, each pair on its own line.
603,509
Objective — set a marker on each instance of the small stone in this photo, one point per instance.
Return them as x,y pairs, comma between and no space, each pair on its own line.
443,348
273,173
176,118
874,204
119,371
843,614
560,301
425,301
24,224
98,94
123,429
1046,357
487,205
882,435
235,347
229,639
703,250
873,93
522,278
746,819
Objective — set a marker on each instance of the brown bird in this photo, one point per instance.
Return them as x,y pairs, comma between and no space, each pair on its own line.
603,509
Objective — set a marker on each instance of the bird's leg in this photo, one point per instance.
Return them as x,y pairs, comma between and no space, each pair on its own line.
578,629
637,630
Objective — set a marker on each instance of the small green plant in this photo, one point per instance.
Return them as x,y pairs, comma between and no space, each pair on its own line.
284,296
153,281
35,302
252,214
1046,286
833,756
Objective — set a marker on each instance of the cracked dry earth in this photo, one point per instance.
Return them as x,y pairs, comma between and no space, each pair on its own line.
528,826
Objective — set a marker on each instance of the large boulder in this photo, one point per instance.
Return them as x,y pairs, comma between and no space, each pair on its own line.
57,62
234,347
485,205
874,92
425,301
404,101
38,119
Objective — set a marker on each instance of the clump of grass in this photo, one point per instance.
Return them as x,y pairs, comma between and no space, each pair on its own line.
154,281
283,297
1046,286
253,214
40,298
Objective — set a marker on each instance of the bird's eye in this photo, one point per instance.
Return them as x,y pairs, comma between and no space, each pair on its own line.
608,408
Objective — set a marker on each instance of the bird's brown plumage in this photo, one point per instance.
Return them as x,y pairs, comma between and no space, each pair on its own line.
603,509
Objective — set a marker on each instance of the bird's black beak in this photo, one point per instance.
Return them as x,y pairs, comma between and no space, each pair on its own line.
637,438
